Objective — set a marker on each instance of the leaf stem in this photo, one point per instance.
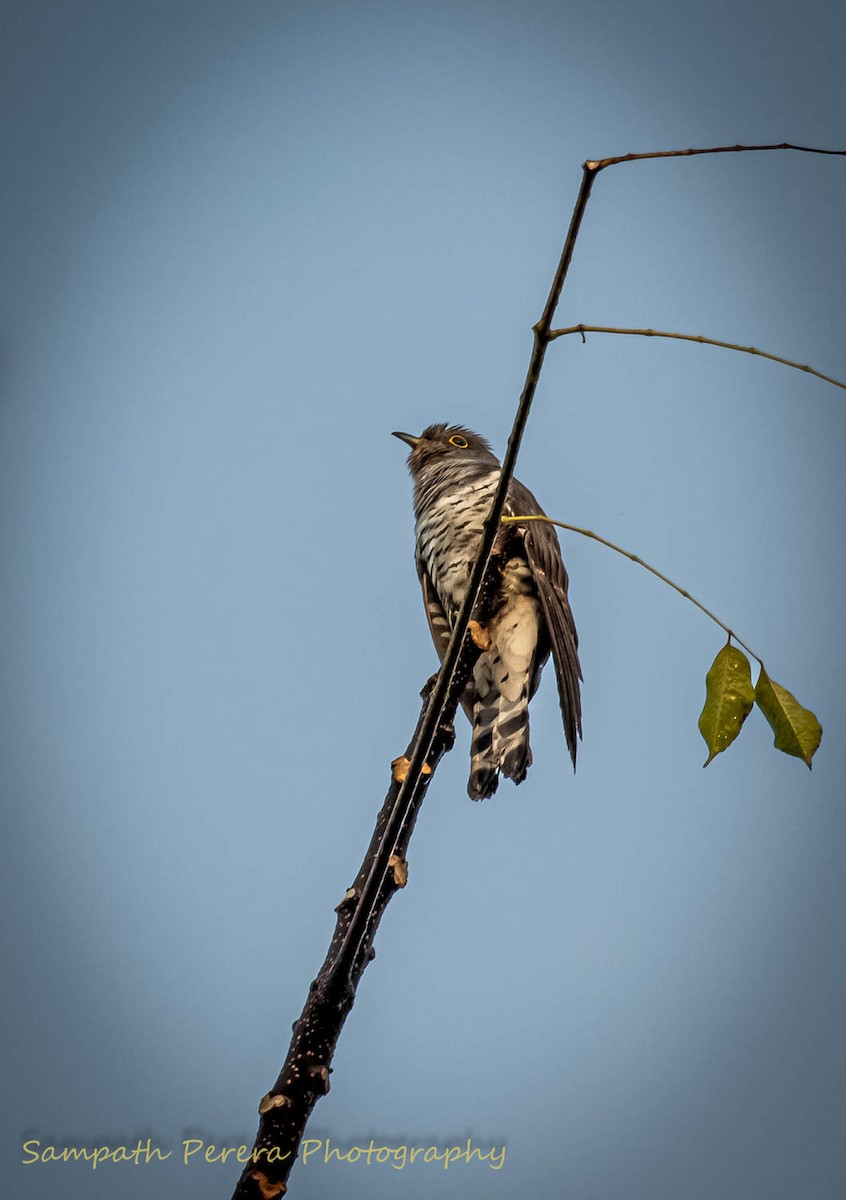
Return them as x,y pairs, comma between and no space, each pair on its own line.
588,533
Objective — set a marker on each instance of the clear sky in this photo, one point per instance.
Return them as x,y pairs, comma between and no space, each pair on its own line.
241,244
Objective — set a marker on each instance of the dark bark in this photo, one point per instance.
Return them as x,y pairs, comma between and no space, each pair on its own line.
304,1077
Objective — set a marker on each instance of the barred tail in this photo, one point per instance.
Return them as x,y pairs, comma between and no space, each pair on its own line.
484,768
500,731
511,738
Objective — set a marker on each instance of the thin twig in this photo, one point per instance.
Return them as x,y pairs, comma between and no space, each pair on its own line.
600,164
588,533
696,337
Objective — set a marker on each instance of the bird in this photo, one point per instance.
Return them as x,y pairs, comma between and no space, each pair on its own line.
455,474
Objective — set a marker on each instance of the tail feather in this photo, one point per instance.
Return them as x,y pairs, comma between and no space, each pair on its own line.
484,769
511,738
500,731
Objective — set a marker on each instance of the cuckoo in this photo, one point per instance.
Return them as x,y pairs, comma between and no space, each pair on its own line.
455,476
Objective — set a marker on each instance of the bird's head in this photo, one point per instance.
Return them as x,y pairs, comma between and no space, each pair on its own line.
446,444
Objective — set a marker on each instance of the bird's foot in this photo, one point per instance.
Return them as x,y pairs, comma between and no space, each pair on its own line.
399,870
399,768
479,635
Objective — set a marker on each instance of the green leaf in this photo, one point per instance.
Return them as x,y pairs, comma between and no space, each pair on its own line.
729,697
797,731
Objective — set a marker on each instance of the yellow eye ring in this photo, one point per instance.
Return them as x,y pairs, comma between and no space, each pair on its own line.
458,440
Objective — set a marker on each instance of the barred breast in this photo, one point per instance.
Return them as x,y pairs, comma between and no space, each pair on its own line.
448,532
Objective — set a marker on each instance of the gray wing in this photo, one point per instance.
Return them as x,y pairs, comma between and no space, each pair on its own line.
543,555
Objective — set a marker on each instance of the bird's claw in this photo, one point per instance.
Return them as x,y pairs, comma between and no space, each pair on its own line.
479,635
400,766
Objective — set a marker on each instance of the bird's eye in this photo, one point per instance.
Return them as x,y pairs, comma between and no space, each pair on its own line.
458,440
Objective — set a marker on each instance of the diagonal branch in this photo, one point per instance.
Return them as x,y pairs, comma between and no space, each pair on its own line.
695,337
304,1077
433,716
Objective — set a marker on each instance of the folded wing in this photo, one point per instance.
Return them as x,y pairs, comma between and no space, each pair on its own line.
543,554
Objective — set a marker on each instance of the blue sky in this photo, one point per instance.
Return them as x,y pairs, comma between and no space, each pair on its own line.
242,243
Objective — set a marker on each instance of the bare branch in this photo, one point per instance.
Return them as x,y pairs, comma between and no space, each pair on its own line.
331,995
600,164
695,337
304,1076
433,716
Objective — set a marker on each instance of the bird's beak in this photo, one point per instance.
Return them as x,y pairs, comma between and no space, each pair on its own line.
408,438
